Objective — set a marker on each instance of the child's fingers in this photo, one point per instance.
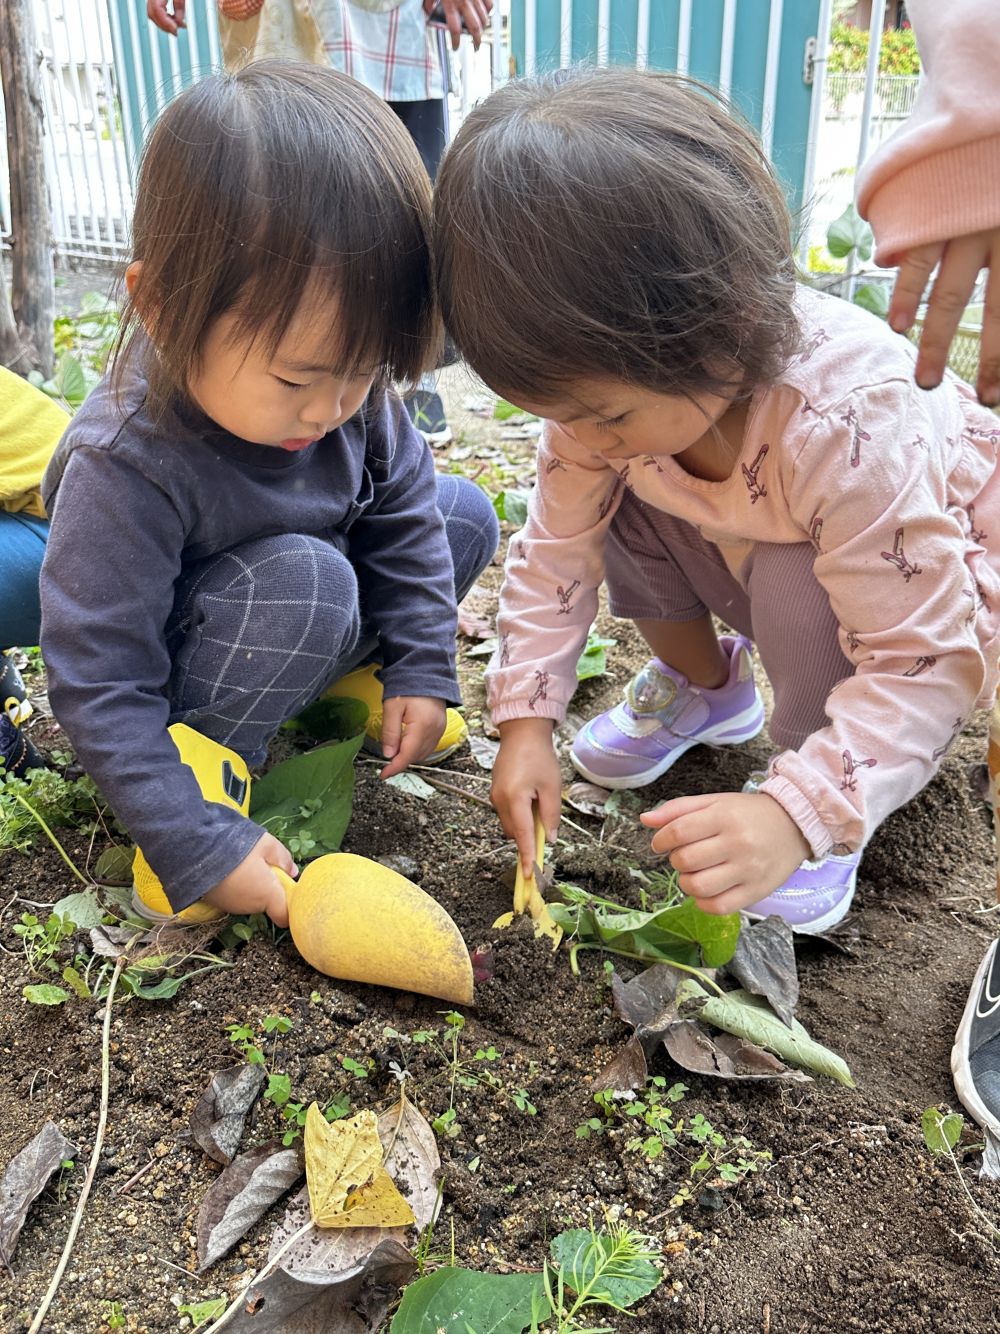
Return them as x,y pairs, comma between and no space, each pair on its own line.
392,727
520,825
408,752
550,809
710,882
693,856
672,810
688,828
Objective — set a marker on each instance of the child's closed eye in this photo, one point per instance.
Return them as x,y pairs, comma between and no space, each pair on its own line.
290,384
606,423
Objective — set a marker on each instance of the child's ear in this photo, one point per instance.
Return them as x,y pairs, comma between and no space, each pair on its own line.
138,297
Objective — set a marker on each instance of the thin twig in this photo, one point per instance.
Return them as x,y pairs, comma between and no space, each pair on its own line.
271,1265
133,1179
95,1157
458,791
52,839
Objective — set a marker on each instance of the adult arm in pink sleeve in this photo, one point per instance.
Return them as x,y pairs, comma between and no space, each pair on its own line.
891,558
939,176
555,566
932,192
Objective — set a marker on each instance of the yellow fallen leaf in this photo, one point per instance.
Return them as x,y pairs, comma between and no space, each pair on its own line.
348,1185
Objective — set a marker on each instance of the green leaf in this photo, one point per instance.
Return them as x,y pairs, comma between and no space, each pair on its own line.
334,719
593,661
202,1312
69,380
45,994
460,1299
873,297
84,910
678,934
752,1018
512,506
849,232
114,866
73,980
606,1265
324,775
941,1132
162,990
503,411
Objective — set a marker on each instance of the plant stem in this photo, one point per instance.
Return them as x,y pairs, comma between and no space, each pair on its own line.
95,1156
643,958
51,837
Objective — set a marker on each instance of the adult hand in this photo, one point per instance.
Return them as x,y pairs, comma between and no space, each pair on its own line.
526,771
474,13
731,848
168,21
960,261
253,886
411,727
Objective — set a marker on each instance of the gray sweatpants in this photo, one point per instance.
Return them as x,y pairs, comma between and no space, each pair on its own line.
661,568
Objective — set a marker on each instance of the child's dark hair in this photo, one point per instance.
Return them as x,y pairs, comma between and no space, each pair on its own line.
613,224
256,183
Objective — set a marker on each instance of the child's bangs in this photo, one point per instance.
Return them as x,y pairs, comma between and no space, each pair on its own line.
266,188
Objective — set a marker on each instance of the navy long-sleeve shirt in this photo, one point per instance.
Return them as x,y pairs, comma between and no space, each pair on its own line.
133,503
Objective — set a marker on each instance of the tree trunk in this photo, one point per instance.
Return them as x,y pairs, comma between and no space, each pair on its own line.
32,286
10,341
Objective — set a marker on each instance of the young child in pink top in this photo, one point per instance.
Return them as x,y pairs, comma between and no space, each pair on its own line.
615,257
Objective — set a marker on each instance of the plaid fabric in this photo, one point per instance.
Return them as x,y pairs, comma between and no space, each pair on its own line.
258,631
395,55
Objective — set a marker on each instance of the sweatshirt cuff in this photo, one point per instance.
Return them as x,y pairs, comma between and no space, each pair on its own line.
423,684
794,804
518,708
951,193
185,881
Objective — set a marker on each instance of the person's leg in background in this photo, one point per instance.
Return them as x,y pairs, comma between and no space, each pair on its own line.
22,546
427,123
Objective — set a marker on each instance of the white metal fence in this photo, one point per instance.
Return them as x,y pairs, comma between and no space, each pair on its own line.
85,159
95,113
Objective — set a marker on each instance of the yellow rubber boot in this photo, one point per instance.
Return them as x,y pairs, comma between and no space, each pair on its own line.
363,684
224,778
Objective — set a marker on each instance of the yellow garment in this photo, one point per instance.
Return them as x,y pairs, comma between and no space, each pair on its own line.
30,427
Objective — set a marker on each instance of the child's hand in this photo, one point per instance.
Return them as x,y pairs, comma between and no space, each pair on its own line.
411,728
960,260
526,770
731,848
253,886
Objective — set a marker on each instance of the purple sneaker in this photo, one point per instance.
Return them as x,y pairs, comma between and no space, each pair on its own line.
815,897
663,715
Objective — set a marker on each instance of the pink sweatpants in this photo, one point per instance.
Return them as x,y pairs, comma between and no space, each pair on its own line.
661,568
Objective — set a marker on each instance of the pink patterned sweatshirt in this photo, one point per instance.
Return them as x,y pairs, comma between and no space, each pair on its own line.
896,489
939,176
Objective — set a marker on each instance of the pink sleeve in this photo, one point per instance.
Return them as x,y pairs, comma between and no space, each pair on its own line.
939,176
870,485
555,566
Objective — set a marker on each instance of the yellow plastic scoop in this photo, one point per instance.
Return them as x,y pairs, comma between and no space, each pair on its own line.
354,919
527,895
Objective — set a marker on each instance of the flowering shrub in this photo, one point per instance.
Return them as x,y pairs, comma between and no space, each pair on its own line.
849,50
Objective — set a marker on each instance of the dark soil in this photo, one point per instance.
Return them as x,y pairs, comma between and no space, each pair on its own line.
853,1226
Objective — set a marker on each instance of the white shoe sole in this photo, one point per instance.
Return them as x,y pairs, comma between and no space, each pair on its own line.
960,1072
744,727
